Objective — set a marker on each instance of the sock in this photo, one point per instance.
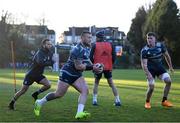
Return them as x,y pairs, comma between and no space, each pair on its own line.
94,97
80,108
42,101
164,98
117,99
38,91
147,100
13,100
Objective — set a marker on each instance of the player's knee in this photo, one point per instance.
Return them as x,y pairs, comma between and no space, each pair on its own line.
110,84
85,91
167,80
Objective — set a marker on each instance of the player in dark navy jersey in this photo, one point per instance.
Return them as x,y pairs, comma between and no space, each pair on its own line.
151,61
42,58
71,75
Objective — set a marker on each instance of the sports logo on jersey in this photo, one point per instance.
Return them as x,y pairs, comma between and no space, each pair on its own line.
159,49
104,54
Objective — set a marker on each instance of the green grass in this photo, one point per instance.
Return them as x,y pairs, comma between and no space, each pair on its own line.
131,85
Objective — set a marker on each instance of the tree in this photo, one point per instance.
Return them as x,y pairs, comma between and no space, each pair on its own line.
165,21
4,45
135,34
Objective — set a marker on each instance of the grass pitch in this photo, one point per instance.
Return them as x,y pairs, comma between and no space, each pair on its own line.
131,85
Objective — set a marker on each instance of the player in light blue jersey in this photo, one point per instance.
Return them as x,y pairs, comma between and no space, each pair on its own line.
71,75
151,61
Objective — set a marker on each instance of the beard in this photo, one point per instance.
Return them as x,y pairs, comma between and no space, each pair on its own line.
87,44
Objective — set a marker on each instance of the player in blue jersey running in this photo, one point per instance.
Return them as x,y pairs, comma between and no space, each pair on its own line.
71,75
42,58
151,61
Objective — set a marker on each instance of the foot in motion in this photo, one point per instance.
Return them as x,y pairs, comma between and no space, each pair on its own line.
117,103
82,115
37,108
35,96
167,104
11,105
147,105
95,103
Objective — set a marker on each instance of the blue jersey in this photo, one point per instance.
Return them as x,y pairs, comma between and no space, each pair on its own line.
154,55
41,59
79,52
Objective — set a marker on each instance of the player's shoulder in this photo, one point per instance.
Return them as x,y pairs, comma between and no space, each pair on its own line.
77,49
145,48
159,44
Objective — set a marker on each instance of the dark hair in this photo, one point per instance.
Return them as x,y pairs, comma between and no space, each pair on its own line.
100,34
151,34
44,41
85,32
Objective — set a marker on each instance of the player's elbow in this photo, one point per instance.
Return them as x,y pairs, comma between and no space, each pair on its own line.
79,67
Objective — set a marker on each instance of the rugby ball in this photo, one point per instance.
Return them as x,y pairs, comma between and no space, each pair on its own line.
100,66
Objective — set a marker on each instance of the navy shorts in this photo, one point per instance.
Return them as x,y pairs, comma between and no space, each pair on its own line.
67,78
107,74
157,70
29,79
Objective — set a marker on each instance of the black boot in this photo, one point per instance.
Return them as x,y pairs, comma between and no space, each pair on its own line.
35,96
11,105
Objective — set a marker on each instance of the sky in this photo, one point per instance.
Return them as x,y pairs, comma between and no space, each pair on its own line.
61,14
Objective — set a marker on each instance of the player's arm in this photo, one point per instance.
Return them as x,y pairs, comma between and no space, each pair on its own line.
144,61
113,54
168,60
80,66
167,56
145,68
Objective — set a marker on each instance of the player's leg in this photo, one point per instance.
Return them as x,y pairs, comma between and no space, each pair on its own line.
60,91
149,93
150,90
81,86
23,89
95,88
26,83
108,76
167,79
46,85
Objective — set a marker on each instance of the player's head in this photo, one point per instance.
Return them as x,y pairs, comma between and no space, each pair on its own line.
151,38
86,38
46,44
100,35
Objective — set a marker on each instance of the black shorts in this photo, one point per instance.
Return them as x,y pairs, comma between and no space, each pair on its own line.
29,79
157,70
67,78
107,74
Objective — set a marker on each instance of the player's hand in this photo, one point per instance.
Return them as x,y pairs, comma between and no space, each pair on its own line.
98,68
149,76
82,67
171,70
